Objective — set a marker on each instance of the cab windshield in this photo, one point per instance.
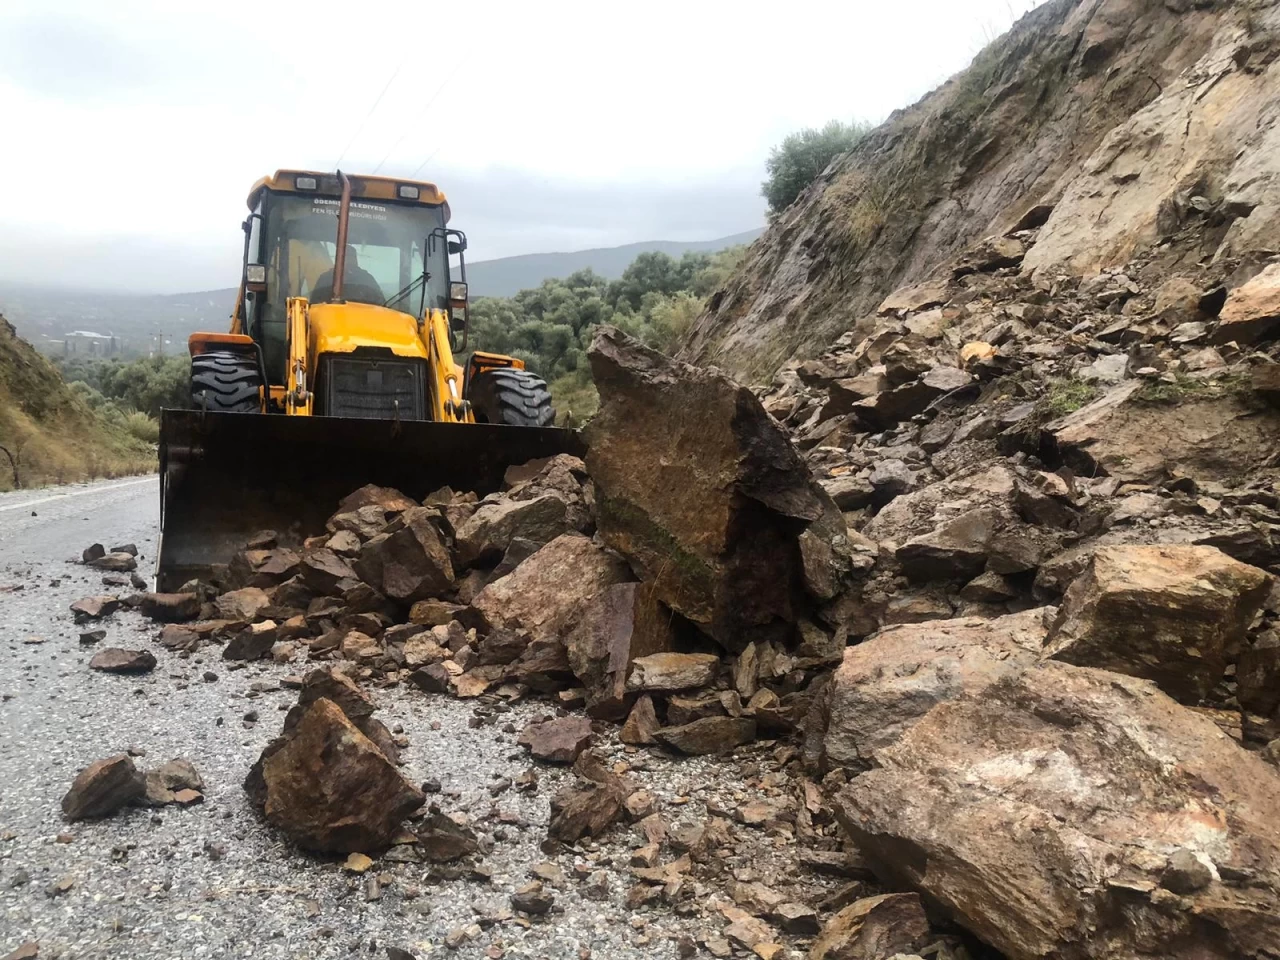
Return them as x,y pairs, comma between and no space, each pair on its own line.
386,247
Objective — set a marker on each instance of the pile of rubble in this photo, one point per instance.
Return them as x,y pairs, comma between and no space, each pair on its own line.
1037,701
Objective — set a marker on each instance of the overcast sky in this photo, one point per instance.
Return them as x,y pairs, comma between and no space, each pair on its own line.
134,129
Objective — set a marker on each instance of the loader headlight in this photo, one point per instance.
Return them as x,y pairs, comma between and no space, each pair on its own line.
457,294
407,192
305,183
256,273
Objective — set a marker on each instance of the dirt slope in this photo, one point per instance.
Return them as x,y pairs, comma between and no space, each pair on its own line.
54,435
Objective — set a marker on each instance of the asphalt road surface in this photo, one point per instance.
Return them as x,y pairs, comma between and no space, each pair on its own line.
213,880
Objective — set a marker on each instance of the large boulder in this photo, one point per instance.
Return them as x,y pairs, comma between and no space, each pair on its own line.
409,561
892,679
1204,435
548,592
621,623
699,488
1049,813
1171,613
330,788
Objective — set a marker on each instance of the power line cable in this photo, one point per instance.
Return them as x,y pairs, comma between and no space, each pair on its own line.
414,175
360,129
409,128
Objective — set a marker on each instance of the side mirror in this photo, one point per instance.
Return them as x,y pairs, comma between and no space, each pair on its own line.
457,246
458,295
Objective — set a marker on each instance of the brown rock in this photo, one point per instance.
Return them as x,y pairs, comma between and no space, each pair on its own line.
1202,436
26,951
421,650
887,683
179,638
165,783
901,403
533,898
117,660
1252,311
365,522
409,561
956,549
322,570
361,647
547,593
704,508
336,687
432,678
682,710
242,604
708,735
622,622
1041,813
489,531
1258,675
849,492
118,562
642,723
673,671
586,810
442,840
874,928
331,789
265,568
170,607
95,608
434,613
557,741
92,552
1170,613
102,788
388,499
253,642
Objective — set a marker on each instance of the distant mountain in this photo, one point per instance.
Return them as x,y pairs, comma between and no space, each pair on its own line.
140,322
509,275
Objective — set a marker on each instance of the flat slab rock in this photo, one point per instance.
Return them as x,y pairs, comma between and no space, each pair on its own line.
119,660
673,671
557,741
710,735
1045,812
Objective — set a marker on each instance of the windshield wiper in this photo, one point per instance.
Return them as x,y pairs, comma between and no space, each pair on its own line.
407,291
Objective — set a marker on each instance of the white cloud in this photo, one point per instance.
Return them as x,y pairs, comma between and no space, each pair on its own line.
135,129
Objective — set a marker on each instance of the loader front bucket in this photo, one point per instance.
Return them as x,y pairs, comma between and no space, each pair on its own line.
226,476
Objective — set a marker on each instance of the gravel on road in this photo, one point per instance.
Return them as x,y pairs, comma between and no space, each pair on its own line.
213,880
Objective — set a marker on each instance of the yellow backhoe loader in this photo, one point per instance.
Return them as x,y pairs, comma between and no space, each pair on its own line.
339,370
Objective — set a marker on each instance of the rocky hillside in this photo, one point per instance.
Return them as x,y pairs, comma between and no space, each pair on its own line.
1117,127
49,433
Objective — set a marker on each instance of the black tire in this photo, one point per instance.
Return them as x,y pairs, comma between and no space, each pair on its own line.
517,398
225,382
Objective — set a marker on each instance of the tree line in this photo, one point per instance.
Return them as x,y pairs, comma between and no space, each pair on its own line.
549,327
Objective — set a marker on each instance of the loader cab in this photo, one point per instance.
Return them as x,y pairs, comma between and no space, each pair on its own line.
290,251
